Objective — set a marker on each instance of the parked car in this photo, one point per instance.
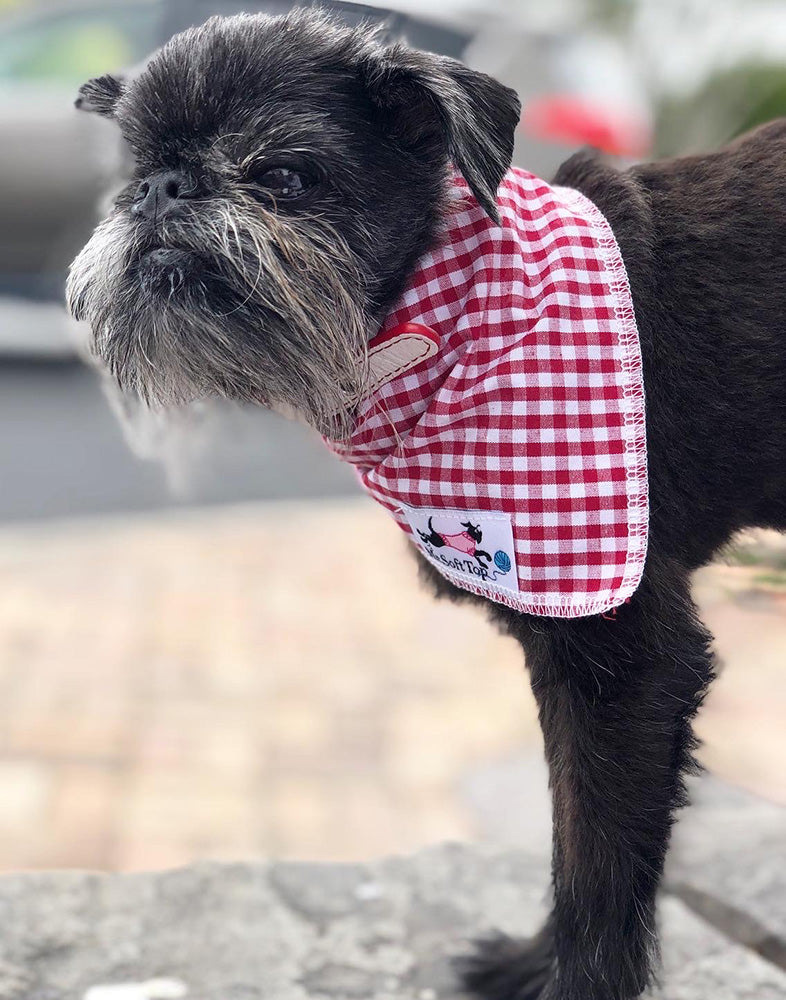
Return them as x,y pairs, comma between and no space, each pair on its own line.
55,161
51,160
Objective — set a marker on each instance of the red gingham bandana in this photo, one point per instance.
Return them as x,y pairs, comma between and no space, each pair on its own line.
515,455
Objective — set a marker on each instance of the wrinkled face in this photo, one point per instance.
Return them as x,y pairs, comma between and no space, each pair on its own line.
288,173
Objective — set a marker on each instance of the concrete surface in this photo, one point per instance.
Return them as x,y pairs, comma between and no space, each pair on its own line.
728,862
272,681
298,931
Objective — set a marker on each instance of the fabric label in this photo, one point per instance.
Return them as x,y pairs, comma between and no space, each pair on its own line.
474,544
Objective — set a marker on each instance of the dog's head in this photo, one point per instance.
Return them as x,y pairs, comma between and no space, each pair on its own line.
473,531
288,173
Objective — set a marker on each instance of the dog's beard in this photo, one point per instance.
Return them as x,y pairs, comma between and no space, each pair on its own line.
227,301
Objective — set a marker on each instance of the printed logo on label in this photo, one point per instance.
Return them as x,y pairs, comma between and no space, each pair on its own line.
473,543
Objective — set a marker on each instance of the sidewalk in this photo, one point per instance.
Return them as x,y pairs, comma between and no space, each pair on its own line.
271,681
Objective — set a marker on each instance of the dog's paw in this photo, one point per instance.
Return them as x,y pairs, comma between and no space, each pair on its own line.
503,968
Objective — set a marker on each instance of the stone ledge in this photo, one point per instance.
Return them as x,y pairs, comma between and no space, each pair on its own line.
288,931
728,862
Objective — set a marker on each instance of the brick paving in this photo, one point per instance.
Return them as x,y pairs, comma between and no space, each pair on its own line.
270,680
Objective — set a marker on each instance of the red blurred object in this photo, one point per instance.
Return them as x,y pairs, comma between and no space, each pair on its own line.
578,122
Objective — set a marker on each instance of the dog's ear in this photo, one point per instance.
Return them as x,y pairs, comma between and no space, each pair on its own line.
474,116
100,95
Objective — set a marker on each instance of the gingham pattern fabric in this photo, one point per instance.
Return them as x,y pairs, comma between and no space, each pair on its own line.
533,407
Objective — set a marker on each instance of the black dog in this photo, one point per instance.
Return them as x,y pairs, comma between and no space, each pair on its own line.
289,174
473,535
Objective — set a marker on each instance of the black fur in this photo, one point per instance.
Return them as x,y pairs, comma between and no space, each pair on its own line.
703,242
473,114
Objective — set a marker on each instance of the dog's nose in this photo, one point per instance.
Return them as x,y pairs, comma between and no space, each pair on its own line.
160,193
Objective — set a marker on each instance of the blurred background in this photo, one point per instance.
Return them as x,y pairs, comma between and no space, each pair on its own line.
181,674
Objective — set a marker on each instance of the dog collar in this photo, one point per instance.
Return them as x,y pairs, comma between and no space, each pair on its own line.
504,427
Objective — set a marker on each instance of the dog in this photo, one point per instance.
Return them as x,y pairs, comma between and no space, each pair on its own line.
466,541
289,175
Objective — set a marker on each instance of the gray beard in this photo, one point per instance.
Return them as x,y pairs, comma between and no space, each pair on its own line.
272,317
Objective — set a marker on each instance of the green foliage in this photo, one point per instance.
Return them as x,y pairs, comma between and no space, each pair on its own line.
730,103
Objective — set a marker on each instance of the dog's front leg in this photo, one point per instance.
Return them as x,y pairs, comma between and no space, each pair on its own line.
616,698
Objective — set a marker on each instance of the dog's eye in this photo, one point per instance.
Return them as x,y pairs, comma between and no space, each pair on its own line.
286,182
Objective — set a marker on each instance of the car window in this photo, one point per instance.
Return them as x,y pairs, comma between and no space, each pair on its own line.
69,46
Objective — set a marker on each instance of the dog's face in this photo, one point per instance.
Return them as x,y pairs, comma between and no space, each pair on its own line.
288,174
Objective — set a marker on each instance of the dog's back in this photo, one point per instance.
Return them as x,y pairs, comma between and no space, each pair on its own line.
703,241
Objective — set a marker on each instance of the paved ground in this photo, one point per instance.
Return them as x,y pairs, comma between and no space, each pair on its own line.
270,681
